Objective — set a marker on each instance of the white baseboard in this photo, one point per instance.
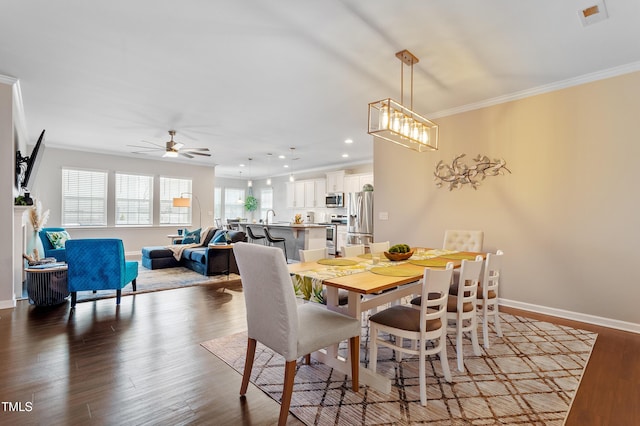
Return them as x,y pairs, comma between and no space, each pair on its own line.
575,316
7,304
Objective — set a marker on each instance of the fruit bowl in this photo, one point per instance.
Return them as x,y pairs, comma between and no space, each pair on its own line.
398,256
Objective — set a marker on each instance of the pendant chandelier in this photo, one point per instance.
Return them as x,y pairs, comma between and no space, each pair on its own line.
394,122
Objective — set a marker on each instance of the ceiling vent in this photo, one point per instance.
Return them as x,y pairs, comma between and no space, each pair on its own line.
593,14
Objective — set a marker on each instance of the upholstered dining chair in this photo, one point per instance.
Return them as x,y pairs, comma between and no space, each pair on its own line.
98,264
352,251
461,308
275,319
488,295
379,247
461,240
423,325
311,255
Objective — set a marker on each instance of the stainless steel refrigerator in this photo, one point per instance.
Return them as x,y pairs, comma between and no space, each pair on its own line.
360,217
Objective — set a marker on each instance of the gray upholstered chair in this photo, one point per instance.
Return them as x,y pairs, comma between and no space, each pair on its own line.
428,323
488,295
311,255
462,240
275,319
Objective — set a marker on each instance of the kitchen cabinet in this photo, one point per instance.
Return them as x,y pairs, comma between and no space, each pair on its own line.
295,194
335,181
355,182
309,193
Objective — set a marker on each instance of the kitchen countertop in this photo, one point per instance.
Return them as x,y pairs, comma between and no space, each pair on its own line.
285,225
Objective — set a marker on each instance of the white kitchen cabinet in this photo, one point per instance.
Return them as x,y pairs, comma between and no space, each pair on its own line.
335,181
309,193
355,182
295,194
321,191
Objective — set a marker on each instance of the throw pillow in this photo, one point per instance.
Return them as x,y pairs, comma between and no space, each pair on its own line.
221,238
191,237
58,238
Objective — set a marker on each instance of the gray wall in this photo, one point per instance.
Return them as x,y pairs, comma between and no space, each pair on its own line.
567,217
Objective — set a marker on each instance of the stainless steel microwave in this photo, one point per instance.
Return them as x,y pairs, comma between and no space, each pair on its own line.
334,199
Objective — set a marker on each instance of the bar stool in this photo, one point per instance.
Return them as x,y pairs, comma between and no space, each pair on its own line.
253,237
273,240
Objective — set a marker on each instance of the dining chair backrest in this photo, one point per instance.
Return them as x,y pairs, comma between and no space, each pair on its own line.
352,251
379,247
435,290
312,255
272,317
491,276
462,240
468,282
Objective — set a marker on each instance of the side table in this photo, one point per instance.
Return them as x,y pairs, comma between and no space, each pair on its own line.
228,248
47,285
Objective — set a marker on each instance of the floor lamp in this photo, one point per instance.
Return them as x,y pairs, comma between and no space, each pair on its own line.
186,202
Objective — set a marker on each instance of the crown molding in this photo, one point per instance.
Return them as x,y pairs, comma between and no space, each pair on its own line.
552,87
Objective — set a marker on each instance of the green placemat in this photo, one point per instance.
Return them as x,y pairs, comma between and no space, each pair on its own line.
337,262
433,262
460,256
365,256
393,271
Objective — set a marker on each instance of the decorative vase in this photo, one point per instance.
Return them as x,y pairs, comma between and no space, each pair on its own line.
34,242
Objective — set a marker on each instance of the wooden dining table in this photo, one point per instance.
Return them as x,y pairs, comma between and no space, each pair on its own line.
370,286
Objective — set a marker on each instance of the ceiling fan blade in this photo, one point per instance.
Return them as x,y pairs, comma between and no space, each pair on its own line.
146,147
154,144
205,154
197,149
184,154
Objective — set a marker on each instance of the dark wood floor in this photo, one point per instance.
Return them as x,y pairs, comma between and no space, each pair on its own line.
141,363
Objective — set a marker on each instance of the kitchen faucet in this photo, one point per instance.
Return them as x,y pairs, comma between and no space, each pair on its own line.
267,218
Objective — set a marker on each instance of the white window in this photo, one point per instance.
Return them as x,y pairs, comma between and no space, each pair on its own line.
266,201
171,188
217,204
134,199
84,198
233,203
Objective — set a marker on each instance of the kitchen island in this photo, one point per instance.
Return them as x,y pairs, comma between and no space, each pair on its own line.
304,236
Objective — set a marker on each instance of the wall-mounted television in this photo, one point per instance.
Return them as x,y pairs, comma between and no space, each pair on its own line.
27,167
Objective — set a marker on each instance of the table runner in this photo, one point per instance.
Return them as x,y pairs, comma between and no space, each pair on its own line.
337,262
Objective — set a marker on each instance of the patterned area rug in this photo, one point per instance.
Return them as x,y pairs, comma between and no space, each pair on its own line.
529,376
161,279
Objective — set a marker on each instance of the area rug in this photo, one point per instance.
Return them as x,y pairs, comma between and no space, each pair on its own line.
529,376
162,279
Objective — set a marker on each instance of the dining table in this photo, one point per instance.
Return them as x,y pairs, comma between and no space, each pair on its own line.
370,280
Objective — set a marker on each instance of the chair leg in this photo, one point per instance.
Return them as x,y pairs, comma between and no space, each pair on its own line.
474,335
289,376
459,344
373,347
133,284
422,379
496,319
485,324
118,296
354,347
74,298
444,362
307,359
248,365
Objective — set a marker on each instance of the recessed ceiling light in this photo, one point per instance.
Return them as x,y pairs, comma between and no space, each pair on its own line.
286,166
281,156
345,155
241,165
348,141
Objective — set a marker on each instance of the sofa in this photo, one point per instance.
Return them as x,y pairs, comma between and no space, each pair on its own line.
202,259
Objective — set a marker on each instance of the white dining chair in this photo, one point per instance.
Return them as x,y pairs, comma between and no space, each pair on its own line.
461,308
352,251
488,295
311,255
461,240
275,319
424,326
379,247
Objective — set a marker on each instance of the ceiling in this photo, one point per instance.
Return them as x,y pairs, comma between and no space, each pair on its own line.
248,78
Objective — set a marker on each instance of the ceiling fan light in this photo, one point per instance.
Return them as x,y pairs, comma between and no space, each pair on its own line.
171,154
178,145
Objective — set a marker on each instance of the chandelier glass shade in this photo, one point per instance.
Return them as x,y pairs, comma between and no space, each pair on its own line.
394,122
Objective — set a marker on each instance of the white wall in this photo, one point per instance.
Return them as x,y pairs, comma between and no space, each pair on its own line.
7,173
47,188
567,217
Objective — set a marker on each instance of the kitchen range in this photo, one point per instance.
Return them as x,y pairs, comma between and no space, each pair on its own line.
332,232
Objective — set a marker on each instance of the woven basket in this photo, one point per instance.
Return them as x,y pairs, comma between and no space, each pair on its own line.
398,256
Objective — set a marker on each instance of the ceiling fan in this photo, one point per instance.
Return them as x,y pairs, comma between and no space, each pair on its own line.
172,148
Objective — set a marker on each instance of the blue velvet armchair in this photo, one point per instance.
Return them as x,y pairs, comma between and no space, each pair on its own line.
98,264
49,250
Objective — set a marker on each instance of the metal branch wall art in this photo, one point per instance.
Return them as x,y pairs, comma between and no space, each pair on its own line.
459,174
